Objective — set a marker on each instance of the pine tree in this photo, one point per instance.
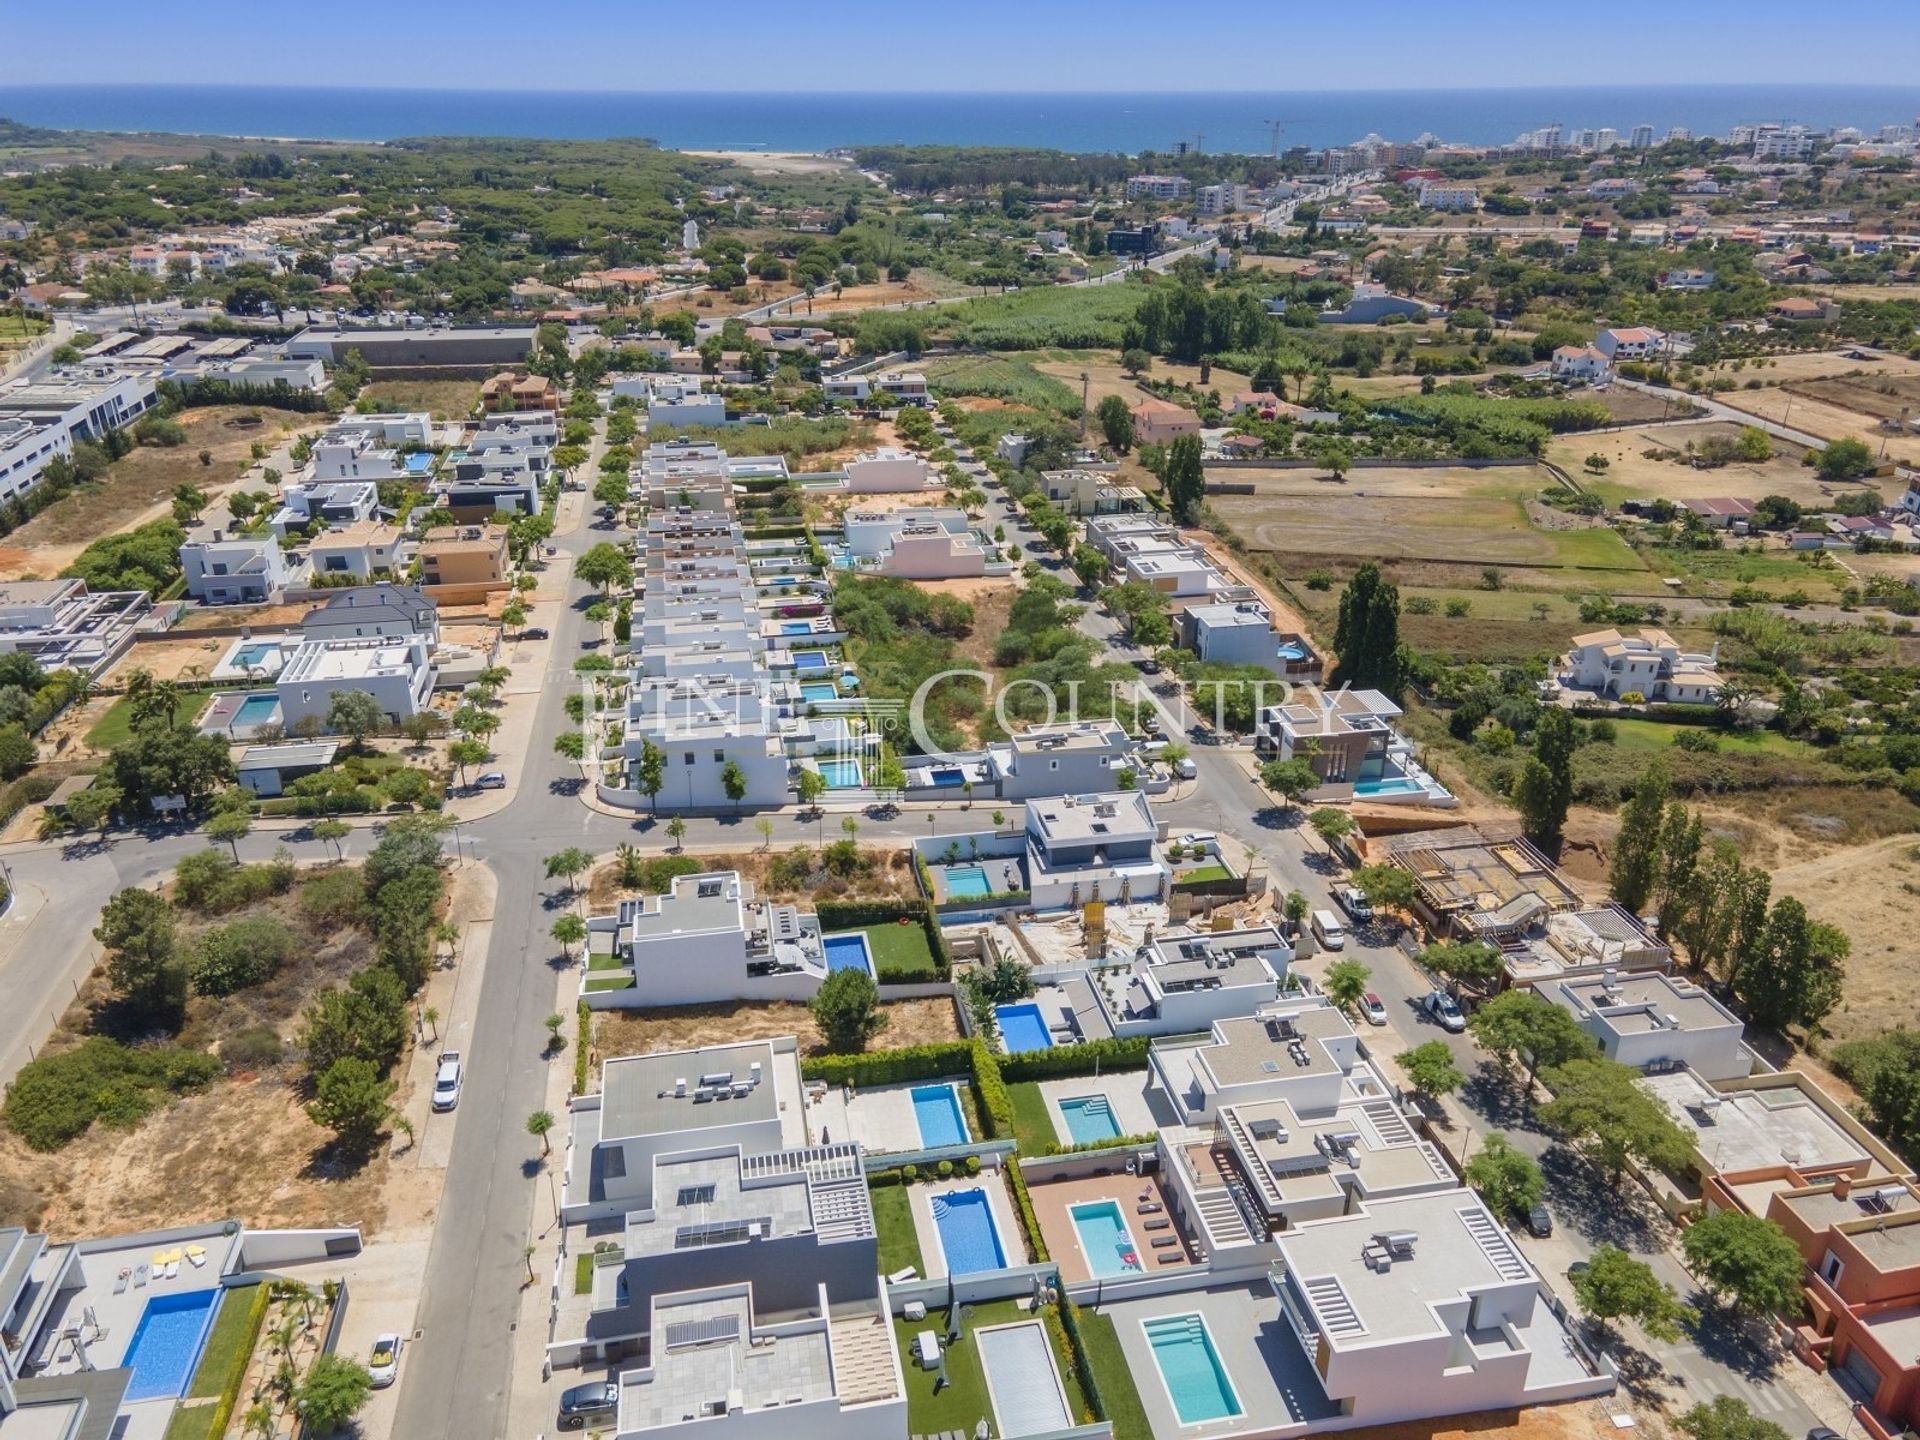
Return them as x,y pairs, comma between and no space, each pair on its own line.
1367,637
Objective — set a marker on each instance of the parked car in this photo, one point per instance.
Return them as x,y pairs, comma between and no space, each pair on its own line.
599,1400
884,810
446,1080
1373,1009
1353,900
1198,839
1148,665
534,632
1539,1222
491,780
1328,930
1150,723
1185,768
1446,1012
384,1363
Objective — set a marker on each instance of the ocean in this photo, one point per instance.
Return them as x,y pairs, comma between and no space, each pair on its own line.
1237,122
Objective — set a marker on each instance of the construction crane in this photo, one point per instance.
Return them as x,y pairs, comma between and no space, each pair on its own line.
1273,127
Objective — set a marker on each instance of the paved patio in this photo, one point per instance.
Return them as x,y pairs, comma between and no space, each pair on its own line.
1138,1108
1013,1241
881,1118
1053,1202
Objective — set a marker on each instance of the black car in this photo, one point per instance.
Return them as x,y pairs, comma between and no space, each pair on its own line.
534,633
1539,1222
884,810
597,1401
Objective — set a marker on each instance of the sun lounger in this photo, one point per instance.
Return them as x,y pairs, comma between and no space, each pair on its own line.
1162,1242
1152,1207
1167,1257
901,1277
197,1255
120,1280
139,1277
173,1264
1161,1224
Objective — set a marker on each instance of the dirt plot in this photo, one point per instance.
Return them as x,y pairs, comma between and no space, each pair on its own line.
1784,406
444,399
1812,365
1882,397
1872,892
637,1032
889,875
1631,475
1623,402
1105,377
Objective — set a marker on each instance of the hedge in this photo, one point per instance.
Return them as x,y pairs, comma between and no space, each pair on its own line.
583,1042
851,914
996,1106
230,1392
1077,1351
1017,1183
887,1067
1113,1053
1118,1142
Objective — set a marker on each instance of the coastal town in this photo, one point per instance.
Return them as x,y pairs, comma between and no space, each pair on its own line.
1203,794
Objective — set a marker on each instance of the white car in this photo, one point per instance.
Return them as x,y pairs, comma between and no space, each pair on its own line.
384,1363
1373,1009
1445,1012
446,1080
1198,839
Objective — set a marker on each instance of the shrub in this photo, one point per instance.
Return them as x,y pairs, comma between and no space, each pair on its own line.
909,1173
56,1098
233,957
257,1047
889,1067
973,1164
334,900
996,1106
1112,1053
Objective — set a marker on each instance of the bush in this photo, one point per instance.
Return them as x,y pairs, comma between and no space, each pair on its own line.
996,1106
210,882
1060,1060
233,957
334,900
56,1098
257,1047
944,1169
890,1067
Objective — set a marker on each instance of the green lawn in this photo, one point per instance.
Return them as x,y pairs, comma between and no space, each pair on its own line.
1653,735
1032,1125
609,961
964,1402
192,1422
583,1273
115,728
228,1345
1206,873
611,982
1111,1374
898,947
1776,571
893,1220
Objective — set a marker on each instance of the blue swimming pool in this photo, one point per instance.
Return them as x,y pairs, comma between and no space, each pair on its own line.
1089,1119
1022,1027
256,710
809,659
948,777
796,627
847,952
248,656
936,1109
968,1237
1105,1240
1398,785
419,463
166,1343
1190,1368
1291,650
841,774
816,691
967,882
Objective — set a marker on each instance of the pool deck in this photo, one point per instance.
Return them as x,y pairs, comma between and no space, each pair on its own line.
1136,1104
880,1117
1272,1378
999,1203
1005,874
1053,1202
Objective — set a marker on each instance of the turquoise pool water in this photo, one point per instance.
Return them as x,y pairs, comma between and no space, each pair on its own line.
166,1344
809,659
968,1237
796,627
936,1110
1190,1368
256,710
250,655
819,690
841,774
1104,1240
1089,1119
1022,1028
418,463
1399,785
967,882
847,952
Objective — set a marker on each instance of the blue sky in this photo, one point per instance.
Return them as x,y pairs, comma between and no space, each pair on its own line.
953,44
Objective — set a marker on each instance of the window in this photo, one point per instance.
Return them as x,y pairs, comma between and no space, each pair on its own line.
719,757
695,1195
688,757
1831,1266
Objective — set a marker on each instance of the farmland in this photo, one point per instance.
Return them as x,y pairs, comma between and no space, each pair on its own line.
1084,317
995,377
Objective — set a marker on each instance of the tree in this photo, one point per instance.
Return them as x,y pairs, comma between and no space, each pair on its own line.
733,780
1508,1178
1545,788
232,826
464,753
1387,887
1185,478
1335,454
538,1124
165,762
1430,1069
332,1394
1636,850
1885,1069
1726,1417
17,751
1598,1105
1295,908
1846,459
421,727
1461,962
569,930
569,863
847,1010
604,565
1136,362
677,831
1345,982
366,1020
812,785
1793,973
353,1101
651,773
1367,634
355,713
1745,1260
136,927
93,807
1116,422
1614,1284
570,745
1291,780
1724,909
1681,834
611,488
1331,825
1518,1023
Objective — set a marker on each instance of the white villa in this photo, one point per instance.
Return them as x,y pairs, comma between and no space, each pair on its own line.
1608,665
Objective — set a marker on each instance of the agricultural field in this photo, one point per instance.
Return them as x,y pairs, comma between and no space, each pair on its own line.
1105,377
1715,574
1079,317
1836,408
1651,462
1001,377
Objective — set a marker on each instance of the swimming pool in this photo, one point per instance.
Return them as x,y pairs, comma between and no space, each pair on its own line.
1399,785
968,1237
249,656
418,463
1291,650
809,659
1105,1240
949,777
1089,1119
1022,1380
255,710
820,690
936,1110
1190,1368
967,882
166,1344
847,952
796,627
841,774
1022,1028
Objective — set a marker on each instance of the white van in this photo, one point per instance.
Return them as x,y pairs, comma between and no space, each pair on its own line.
1327,930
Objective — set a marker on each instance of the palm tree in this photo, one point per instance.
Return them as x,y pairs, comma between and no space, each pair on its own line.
430,1018
539,1123
447,933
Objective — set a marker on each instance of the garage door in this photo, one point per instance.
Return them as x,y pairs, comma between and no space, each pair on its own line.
1858,1376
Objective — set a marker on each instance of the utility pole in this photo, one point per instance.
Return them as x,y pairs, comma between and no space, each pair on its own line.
1083,410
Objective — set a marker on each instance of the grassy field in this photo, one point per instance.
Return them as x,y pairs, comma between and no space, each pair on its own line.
1714,573
893,1220
115,728
964,1400
1653,735
1651,463
1032,1125
229,1343
898,947
444,399
1000,377
1080,316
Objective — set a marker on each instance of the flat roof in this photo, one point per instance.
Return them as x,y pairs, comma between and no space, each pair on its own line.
1640,1003
1249,1049
1754,1128
638,1091
703,1377
1116,816
1299,1159
356,659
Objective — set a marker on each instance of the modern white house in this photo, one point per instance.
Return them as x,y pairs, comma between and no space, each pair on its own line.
709,939
397,673
908,387
889,471
1241,632
1608,665
1093,847
1630,342
1349,738
355,452
328,502
1301,1050
917,543
1090,492
66,626
234,570
1180,984
703,724
388,611
41,418
1068,757
846,387
363,550
1654,1021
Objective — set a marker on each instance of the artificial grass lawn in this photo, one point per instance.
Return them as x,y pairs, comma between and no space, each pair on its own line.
898,947
192,1422
1653,735
1110,1373
611,982
609,961
1032,1125
115,728
583,1273
964,1402
893,1221
1205,873
228,1344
